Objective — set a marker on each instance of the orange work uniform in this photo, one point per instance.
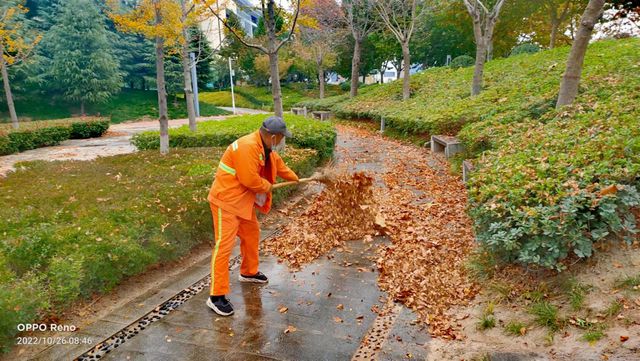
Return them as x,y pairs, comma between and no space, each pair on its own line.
241,174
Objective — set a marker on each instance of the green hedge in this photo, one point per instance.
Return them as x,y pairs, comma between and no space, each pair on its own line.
36,134
307,133
73,228
462,61
323,104
526,48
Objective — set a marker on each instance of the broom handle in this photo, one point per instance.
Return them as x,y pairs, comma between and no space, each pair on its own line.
284,184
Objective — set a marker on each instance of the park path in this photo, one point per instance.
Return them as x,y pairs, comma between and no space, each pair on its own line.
332,309
115,141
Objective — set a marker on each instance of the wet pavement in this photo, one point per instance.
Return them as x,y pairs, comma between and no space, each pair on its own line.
313,297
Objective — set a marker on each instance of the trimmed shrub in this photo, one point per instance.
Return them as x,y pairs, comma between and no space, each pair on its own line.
345,86
462,61
307,133
323,104
70,229
36,134
83,130
527,48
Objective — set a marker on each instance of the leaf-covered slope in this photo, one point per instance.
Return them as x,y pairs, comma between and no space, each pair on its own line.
549,182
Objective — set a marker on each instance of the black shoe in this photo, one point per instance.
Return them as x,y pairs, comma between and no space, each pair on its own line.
220,305
256,278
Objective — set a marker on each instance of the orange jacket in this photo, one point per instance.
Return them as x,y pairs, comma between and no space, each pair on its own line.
242,173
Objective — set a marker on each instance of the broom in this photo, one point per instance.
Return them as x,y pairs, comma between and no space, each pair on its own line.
322,177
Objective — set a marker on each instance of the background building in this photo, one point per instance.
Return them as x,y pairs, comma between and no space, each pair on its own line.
246,13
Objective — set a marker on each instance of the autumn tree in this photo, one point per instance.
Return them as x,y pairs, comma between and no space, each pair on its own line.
271,43
16,43
360,16
484,22
548,18
318,38
158,20
399,16
82,63
571,78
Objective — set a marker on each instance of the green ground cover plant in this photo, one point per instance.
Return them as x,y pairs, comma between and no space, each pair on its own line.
307,133
126,106
73,228
549,183
36,134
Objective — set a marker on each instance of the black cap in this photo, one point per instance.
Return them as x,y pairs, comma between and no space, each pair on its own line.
276,125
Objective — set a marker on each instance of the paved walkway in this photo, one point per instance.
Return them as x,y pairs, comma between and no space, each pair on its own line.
330,310
115,141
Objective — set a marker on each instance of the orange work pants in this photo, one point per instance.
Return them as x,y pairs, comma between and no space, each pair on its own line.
226,227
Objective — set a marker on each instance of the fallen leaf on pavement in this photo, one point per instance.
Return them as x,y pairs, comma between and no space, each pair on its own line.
290,329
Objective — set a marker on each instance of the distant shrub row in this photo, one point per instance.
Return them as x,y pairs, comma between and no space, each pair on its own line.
36,134
307,133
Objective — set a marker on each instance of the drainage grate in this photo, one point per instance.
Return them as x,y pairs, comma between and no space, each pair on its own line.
374,339
120,337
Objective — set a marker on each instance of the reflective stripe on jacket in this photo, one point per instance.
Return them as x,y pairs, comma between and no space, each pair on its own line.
243,172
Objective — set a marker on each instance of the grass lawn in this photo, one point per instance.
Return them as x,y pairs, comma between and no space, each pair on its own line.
125,106
73,228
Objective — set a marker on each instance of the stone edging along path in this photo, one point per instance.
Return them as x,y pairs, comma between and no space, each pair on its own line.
115,141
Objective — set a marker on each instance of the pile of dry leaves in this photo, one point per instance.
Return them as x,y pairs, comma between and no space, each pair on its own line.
343,211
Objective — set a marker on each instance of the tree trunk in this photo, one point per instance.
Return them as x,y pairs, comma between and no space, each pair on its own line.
188,89
554,35
82,107
162,97
355,67
7,90
571,79
478,71
406,58
489,43
555,23
270,24
321,79
186,72
276,92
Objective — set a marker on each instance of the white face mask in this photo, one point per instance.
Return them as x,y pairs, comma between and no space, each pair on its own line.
278,147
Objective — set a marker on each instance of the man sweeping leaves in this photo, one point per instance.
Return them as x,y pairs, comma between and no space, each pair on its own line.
243,181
